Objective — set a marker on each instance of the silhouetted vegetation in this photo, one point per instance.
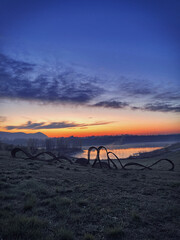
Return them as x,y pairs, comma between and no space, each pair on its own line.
77,142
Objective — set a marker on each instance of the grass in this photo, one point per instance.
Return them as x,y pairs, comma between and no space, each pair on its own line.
51,203
21,227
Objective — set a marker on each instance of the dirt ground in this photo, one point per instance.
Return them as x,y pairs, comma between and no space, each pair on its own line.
58,200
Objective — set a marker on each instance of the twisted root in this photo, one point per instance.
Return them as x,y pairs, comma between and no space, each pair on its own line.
125,166
97,162
33,157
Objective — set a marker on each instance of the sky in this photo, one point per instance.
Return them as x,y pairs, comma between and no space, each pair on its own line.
82,68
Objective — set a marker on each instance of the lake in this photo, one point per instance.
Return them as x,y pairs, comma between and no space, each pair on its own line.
119,151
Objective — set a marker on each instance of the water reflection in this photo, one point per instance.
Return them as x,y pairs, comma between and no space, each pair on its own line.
121,153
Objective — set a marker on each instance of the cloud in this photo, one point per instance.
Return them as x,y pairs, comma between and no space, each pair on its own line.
143,88
27,81
156,107
16,68
111,104
159,107
168,95
2,119
135,87
98,123
19,80
54,125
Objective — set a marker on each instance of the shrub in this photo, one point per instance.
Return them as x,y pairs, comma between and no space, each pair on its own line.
136,218
83,202
88,236
64,234
29,202
115,233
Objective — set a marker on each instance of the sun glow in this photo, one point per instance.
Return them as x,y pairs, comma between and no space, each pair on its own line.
90,121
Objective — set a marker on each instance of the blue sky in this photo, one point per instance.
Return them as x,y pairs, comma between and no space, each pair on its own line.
101,54
116,37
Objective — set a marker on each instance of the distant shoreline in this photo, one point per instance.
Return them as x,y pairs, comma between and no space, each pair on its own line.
133,145
162,148
166,149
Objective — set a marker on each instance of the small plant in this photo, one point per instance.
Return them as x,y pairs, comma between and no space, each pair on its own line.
175,184
65,201
4,185
83,202
88,236
45,202
64,234
61,205
114,233
29,202
135,217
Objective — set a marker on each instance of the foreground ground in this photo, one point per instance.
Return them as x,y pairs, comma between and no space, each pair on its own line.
45,200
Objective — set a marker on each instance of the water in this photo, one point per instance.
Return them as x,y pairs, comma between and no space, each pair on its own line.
121,153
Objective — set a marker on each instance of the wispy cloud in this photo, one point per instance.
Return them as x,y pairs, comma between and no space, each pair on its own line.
66,87
155,107
54,125
168,95
148,90
3,119
159,107
26,81
136,87
111,104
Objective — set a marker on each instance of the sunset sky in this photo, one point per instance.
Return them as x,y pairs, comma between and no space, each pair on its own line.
87,68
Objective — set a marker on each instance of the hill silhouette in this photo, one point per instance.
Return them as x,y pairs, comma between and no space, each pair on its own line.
21,135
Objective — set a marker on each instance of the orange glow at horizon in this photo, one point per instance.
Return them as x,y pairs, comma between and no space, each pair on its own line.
105,130
96,121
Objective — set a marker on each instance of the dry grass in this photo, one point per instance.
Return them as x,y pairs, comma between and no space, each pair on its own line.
62,201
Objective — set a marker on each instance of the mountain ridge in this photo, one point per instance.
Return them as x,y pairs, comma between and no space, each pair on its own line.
20,135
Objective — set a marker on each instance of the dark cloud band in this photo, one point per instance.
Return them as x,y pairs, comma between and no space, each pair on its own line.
111,104
66,87
159,107
54,125
21,80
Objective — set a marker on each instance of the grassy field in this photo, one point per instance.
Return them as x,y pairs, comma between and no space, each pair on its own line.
53,200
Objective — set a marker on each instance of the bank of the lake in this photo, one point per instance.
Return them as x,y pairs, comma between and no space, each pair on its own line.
125,150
